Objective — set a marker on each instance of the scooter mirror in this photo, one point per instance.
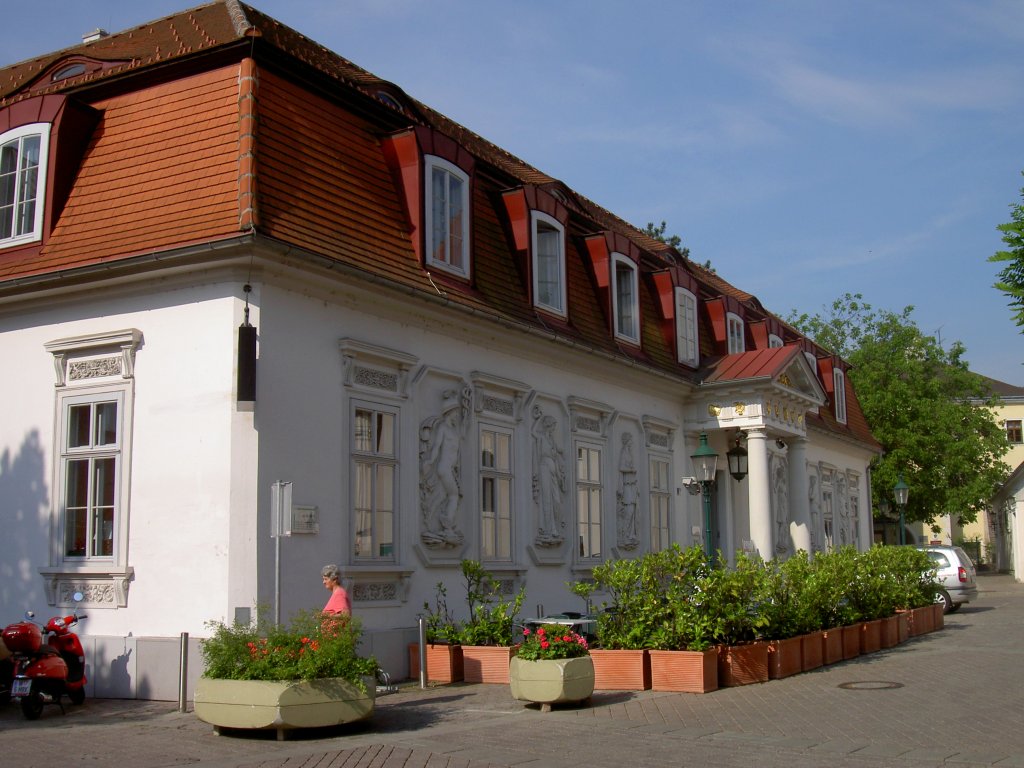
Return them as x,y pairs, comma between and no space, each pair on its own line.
77,597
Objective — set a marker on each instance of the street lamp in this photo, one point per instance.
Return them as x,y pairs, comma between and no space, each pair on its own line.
705,463
901,490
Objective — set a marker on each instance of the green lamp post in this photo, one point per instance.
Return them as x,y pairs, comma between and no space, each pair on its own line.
705,464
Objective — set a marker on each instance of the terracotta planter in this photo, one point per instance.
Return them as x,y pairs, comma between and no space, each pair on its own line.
444,662
851,641
870,636
889,632
785,657
903,630
551,681
938,617
921,622
282,705
742,664
486,663
686,671
832,645
812,650
621,670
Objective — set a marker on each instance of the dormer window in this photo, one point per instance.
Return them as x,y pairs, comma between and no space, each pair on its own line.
734,324
23,155
686,327
548,239
774,341
447,216
625,298
839,394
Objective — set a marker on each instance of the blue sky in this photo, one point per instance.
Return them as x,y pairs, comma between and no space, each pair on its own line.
805,148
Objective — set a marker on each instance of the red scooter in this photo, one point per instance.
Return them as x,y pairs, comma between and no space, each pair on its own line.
45,671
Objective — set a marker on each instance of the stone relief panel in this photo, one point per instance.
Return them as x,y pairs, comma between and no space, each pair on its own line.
779,474
627,497
442,437
814,506
549,478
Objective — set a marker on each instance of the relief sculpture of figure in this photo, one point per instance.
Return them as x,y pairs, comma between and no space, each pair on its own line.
440,459
626,496
812,505
780,498
548,480
844,510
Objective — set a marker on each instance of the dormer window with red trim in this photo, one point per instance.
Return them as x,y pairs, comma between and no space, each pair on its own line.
446,199
548,248
23,165
839,394
626,299
736,333
677,304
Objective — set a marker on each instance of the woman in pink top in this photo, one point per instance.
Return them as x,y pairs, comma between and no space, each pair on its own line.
338,602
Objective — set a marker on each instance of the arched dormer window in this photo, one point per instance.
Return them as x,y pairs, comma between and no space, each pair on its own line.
625,299
446,198
839,394
548,248
736,333
23,166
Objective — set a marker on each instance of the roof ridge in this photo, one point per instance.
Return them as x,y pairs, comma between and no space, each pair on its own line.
236,12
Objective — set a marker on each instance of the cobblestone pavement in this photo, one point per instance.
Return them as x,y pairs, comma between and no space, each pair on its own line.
951,698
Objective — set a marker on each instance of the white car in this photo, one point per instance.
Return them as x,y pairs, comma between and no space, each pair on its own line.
956,576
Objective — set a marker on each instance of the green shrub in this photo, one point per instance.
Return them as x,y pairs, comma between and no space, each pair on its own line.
491,615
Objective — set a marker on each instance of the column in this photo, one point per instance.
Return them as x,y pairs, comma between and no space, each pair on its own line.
760,492
799,503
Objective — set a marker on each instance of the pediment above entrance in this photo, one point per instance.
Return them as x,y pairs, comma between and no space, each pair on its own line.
766,388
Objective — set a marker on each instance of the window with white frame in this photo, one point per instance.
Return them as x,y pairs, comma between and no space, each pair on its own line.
839,379
549,286
812,361
23,160
496,481
589,495
374,480
626,299
734,329
447,216
774,340
686,327
92,437
661,500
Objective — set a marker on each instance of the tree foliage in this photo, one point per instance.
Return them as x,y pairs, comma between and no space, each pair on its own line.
1011,278
917,398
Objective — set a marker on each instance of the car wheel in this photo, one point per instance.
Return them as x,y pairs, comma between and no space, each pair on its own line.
955,608
942,596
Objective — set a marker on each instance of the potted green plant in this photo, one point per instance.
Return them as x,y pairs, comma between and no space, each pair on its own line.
301,675
487,635
443,651
738,598
551,665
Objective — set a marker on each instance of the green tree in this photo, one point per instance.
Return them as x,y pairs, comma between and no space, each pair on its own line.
916,397
1011,278
658,233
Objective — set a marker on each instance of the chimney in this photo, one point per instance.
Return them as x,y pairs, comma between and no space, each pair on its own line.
96,34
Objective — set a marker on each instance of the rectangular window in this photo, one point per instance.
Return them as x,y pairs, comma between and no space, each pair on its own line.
686,327
737,340
374,481
588,500
839,378
447,215
495,494
548,263
661,499
625,297
22,182
1013,431
91,468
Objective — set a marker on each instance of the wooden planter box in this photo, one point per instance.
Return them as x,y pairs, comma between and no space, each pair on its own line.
444,663
812,650
938,617
685,671
621,670
486,663
832,645
921,621
282,705
785,657
903,630
742,664
551,681
871,636
851,641
889,634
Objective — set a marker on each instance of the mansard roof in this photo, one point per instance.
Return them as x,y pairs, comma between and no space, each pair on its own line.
178,162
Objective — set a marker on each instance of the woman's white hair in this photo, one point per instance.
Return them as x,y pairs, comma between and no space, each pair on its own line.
331,572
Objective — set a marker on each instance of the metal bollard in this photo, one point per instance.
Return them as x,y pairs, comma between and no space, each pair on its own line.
183,675
423,653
